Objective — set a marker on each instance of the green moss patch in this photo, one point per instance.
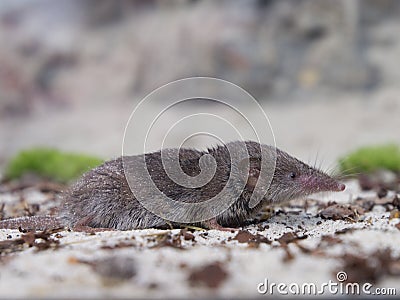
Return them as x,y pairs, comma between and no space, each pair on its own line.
51,164
369,159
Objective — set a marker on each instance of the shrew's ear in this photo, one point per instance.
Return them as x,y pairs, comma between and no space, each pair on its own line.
253,165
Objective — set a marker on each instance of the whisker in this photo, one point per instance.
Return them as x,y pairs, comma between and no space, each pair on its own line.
316,159
331,169
321,163
346,176
309,159
347,171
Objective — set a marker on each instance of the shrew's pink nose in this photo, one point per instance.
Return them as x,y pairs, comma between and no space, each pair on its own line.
341,187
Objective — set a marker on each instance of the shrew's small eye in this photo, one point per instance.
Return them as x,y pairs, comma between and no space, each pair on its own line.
292,175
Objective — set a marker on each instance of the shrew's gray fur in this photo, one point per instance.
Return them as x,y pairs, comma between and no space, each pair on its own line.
103,198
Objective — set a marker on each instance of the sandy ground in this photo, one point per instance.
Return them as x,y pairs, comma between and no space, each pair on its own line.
307,129
166,263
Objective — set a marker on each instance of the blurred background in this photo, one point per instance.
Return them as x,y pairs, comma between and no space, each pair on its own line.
326,72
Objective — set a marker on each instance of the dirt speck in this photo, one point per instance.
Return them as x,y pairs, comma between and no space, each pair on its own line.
290,237
211,276
187,236
243,236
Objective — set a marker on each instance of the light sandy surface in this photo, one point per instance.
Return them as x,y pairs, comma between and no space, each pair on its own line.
164,271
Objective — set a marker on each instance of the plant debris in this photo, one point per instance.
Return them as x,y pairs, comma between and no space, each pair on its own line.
187,235
290,237
396,202
345,230
253,240
341,212
119,245
365,204
211,276
167,239
40,240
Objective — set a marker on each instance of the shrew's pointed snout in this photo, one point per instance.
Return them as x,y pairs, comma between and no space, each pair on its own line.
321,183
332,185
